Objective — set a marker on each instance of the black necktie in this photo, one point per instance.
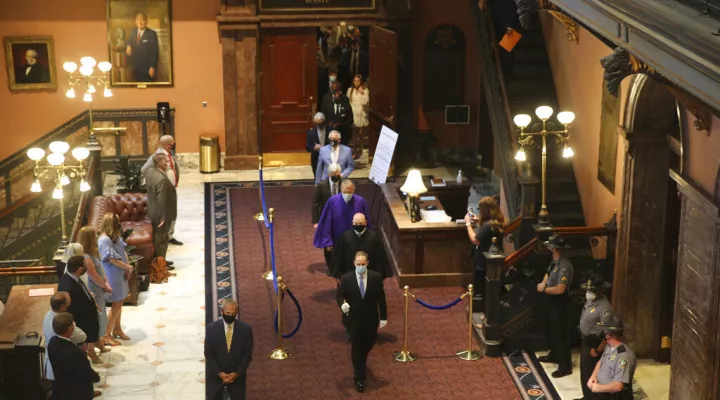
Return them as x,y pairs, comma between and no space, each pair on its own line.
84,288
337,109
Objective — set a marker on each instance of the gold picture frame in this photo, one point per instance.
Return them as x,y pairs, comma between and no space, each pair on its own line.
31,62
141,55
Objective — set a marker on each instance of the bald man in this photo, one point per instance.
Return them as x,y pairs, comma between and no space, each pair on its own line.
359,238
167,147
317,137
32,71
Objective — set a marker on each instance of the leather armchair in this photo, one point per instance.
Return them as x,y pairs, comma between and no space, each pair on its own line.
131,208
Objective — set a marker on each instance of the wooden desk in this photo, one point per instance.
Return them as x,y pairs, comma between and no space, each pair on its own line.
423,254
23,313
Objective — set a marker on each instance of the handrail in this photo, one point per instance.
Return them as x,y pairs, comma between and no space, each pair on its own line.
513,225
501,77
47,271
84,200
566,231
390,122
520,253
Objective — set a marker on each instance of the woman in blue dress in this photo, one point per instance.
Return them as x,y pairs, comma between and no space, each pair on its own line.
117,271
97,283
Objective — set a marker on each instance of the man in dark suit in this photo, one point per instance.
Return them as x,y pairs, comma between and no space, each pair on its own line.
228,352
316,138
359,62
162,203
361,298
323,191
32,71
359,238
82,304
73,375
142,50
339,115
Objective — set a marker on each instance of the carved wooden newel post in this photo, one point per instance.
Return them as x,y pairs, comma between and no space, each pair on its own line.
492,328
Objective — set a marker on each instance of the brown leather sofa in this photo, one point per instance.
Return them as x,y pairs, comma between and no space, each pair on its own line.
132,210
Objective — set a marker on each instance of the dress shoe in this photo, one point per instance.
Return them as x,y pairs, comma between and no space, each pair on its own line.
359,386
97,393
175,242
560,374
547,359
170,268
170,263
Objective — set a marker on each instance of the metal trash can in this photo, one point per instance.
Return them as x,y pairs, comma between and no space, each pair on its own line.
209,154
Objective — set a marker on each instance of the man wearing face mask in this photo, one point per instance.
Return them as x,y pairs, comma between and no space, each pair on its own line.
597,311
324,190
316,138
334,153
556,288
337,217
361,298
82,304
359,238
167,147
613,374
339,114
228,352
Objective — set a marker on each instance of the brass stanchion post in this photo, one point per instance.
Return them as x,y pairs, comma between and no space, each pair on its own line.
259,216
268,275
405,355
469,354
279,353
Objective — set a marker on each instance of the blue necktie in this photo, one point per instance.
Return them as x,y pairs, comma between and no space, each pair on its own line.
362,287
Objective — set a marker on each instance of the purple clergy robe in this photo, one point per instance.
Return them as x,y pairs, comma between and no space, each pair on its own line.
337,218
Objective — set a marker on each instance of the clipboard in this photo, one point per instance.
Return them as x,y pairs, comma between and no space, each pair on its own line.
510,39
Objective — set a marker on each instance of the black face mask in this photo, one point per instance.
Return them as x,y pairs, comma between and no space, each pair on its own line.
173,146
335,178
359,228
333,143
337,100
229,319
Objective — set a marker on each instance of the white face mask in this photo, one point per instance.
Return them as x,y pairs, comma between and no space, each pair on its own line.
590,296
347,196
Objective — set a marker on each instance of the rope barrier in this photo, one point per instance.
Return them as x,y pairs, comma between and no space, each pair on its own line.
264,204
300,315
272,254
443,307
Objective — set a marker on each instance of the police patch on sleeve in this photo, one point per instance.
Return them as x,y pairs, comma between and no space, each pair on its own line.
606,314
623,363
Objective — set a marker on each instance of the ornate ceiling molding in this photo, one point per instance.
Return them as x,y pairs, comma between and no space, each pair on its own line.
528,10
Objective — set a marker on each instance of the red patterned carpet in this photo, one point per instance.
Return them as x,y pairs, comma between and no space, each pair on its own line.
320,366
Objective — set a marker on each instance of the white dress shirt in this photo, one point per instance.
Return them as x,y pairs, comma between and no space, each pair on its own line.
169,171
321,136
334,153
78,337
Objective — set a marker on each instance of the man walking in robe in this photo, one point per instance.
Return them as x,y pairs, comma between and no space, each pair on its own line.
359,238
337,217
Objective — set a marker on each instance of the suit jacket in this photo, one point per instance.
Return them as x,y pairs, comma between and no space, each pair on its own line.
149,163
144,54
313,138
217,357
322,194
350,243
363,64
365,313
38,74
162,197
82,306
344,118
344,160
74,376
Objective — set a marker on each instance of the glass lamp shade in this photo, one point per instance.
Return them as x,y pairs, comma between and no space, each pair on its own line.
87,97
84,186
88,61
566,117
70,67
57,193
64,180
107,93
86,70
59,147
55,159
568,152
104,66
70,93
413,183
80,153
522,120
543,112
36,153
520,155
36,187
91,89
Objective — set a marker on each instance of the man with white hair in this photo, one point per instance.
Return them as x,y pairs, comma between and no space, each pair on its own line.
317,137
32,71
167,146
334,153
324,190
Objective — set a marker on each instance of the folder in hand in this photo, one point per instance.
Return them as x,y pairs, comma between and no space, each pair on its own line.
510,39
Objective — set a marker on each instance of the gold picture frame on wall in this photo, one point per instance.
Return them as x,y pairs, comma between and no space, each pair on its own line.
140,42
30,62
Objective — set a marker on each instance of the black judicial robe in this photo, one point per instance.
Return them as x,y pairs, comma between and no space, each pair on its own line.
343,260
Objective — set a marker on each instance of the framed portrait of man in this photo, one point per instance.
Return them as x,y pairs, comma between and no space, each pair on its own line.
140,42
30,62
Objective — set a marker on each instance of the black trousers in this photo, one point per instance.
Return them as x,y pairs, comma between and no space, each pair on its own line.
625,394
588,363
558,331
328,259
479,282
361,342
236,390
314,162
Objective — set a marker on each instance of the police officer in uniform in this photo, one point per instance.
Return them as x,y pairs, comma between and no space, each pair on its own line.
613,375
556,288
596,310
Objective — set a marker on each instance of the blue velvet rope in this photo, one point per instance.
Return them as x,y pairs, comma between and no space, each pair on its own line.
262,199
300,315
443,307
272,256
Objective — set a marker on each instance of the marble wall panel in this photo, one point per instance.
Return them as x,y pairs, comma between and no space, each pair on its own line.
106,139
153,135
132,141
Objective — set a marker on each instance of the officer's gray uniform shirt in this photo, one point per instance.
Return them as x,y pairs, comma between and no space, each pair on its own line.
617,365
593,312
560,272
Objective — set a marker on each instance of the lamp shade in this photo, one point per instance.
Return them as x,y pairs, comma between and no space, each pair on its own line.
36,187
566,117
522,120
86,70
64,180
107,92
543,112
59,147
80,153
87,97
57,193
70,67
568,152
91,89
55,159
520,155
70,93
104,66
36,153
84,186
88,61
413,183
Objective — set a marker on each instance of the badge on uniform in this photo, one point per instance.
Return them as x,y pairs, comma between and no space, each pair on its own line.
612,357
623,363
564,279
592,311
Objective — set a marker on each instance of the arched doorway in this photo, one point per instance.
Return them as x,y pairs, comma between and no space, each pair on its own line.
644,283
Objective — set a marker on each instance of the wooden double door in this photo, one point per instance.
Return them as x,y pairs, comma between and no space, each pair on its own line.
288,83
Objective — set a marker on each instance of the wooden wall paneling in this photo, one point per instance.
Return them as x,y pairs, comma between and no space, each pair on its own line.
230,96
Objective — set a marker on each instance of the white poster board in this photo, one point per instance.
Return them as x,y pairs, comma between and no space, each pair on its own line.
383,155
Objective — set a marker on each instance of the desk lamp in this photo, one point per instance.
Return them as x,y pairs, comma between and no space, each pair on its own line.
413,187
